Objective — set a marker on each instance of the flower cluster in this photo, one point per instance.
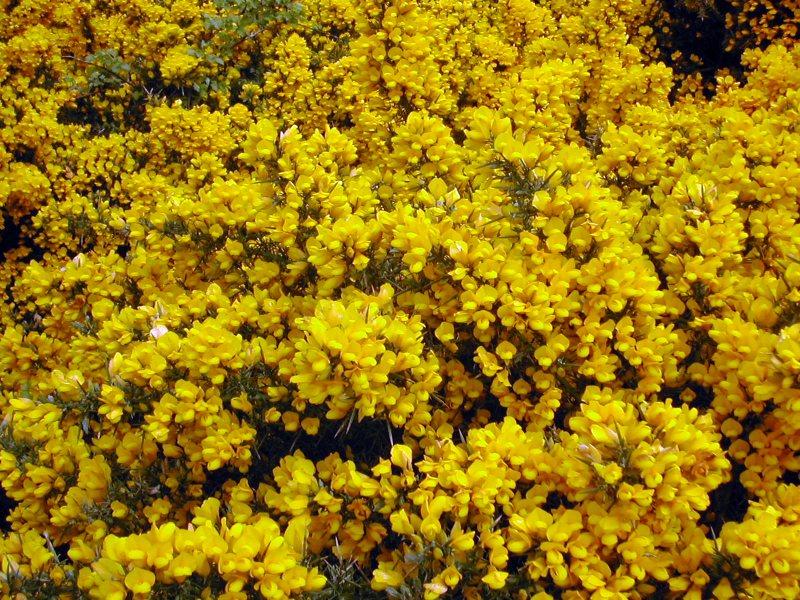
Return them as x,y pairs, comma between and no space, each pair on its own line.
403,298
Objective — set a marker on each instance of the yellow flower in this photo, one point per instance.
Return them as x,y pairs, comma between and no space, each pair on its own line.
506,350
401,456
385,576
140,581
461,540
610,473
495,579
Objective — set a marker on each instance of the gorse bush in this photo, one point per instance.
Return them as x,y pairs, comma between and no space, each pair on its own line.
399,298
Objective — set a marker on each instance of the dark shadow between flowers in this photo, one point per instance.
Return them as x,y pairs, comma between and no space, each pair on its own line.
365,443
700,32
6,506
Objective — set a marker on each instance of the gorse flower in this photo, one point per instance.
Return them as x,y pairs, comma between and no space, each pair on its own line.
406,299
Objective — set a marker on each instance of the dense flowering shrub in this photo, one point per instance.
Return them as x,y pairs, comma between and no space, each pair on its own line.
398,298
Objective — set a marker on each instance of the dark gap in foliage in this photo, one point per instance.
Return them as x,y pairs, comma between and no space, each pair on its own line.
11,236
14,235
728,503
7,505
555,500
62,552
215,480
362,442
791,478
25,155
701,32
123,249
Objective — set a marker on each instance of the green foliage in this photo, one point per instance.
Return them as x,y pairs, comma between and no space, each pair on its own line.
110,76
106,69
346,581
236,22
240,20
